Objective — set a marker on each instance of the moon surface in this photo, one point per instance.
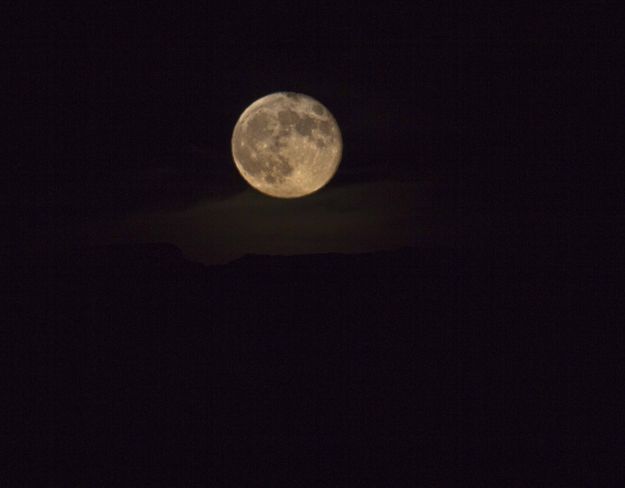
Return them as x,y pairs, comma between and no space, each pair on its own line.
287,145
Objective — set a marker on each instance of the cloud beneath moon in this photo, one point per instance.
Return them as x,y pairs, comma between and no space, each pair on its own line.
359,217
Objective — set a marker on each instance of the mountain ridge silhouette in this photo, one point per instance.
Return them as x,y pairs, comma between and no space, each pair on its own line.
410,366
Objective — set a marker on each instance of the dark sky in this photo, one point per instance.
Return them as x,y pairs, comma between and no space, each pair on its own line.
119,122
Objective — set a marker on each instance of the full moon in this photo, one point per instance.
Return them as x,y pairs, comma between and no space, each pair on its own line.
287,145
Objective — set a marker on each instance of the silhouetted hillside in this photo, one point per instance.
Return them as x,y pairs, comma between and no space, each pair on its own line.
395,368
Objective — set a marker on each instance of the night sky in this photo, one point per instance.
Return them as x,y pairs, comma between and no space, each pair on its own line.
456,122
440,313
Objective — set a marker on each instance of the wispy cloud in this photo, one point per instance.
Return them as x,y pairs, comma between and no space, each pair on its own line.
351,218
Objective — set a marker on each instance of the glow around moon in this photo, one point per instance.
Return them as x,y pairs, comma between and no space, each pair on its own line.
287,145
